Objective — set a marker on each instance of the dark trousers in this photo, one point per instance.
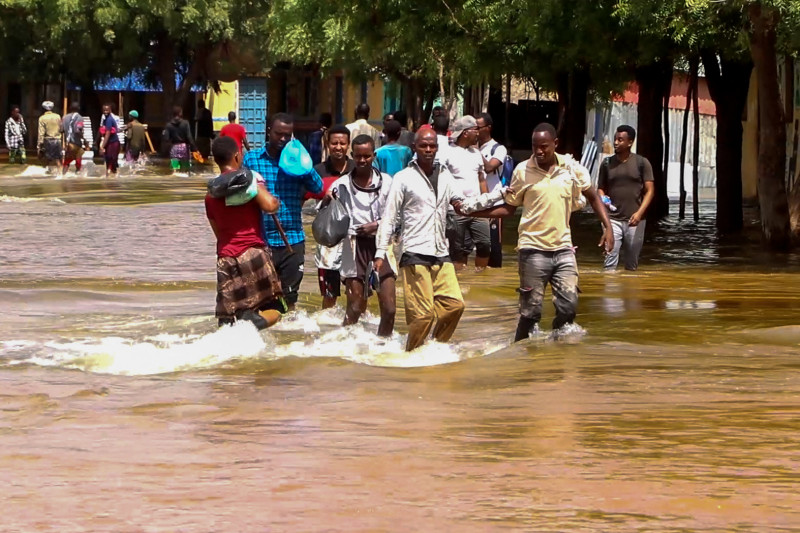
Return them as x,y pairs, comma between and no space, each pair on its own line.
290,269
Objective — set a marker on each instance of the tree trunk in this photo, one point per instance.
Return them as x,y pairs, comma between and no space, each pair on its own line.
696,143
665,105
772,197
684,137
573,90
166,72
728,83
651,80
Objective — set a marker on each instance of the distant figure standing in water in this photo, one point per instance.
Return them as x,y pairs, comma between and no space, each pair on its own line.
547,186
236,132
48,144
418,203
16,130
205,129
109,142
627,180
248,287
178,134
72,125
135,134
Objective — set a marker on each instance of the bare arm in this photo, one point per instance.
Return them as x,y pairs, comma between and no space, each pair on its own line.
482,182
607,240
265,200
505,210
649,194
491,165
246,144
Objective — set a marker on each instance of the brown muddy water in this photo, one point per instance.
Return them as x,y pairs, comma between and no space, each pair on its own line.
123,408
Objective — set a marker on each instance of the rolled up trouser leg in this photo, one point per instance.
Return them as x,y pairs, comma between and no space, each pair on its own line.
448,301
564,283
420,313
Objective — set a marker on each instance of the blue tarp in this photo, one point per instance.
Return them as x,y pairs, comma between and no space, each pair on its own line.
135,81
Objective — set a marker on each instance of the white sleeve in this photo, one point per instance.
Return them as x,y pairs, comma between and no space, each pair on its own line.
391,213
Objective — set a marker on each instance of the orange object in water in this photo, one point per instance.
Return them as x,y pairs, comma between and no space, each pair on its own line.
198,157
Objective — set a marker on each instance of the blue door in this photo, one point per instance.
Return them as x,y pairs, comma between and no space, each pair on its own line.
253,110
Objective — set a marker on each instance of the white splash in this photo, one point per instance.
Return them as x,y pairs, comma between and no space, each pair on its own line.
24,200
158,355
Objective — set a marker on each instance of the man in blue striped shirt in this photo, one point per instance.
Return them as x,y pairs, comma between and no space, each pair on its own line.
290,191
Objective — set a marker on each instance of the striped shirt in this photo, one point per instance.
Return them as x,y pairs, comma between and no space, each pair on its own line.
15,133
290,190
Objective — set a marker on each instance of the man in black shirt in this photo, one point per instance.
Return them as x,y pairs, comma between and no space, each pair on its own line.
627,180
204,129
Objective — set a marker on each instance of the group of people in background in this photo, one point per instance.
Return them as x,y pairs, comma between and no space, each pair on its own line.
418,204
62,141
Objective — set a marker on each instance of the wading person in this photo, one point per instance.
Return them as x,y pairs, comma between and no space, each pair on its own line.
418,201
328,259
290,190
368,189
547,186
204,131
465,163
48,144
494,156
72,127
109,141
236,132
135,135
627,180
361,126
392,157
248,287
179,135
16,130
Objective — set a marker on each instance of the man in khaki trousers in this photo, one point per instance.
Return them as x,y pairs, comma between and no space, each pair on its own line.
418,202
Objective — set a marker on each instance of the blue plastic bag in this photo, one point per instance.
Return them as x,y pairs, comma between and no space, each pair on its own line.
295,159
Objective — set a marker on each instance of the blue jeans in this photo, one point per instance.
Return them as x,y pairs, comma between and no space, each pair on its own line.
629,239
537,269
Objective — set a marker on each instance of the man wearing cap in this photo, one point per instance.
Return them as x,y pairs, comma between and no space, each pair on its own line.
135,135
465,163
49,141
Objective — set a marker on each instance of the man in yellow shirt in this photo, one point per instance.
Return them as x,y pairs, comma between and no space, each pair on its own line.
49,142
548,186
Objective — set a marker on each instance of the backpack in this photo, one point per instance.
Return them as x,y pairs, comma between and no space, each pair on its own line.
76,129
508,167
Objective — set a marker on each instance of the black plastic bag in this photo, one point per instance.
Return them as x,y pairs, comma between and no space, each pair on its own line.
333,220
230,183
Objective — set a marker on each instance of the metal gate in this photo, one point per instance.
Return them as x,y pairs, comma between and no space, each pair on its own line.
253,110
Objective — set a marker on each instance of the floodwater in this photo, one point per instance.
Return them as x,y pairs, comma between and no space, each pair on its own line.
123,408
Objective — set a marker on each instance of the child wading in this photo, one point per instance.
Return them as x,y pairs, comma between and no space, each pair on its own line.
248,287
368,189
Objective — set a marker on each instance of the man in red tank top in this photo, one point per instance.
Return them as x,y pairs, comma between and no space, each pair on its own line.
248,287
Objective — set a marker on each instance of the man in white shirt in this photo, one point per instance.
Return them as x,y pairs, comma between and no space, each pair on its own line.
368,190
465,163
418,202
361,126
494,156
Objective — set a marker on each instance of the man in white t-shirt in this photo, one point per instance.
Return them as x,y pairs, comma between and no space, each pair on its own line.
494,156
368,190
465,163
